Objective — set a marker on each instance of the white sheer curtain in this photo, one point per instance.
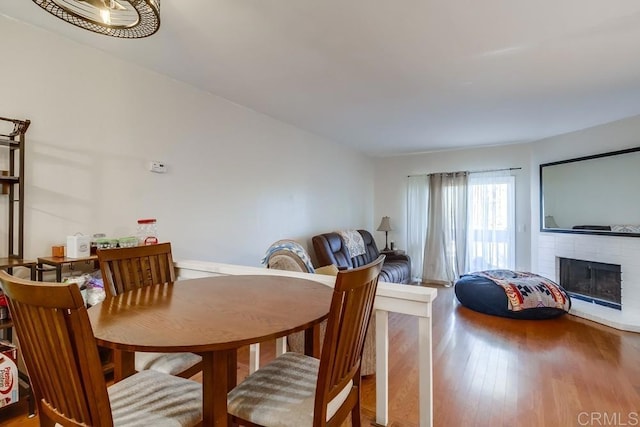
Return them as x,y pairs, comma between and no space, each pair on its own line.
417,197
491,221
445,250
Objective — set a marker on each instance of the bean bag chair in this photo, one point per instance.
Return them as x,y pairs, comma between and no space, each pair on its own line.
513,294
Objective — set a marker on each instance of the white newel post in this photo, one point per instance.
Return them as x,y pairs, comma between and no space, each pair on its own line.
425,357
382,367
281,346
254,357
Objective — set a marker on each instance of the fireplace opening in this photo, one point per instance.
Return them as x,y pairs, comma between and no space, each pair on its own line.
590,281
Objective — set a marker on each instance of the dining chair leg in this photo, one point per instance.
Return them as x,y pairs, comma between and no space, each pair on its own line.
123,365
355,415
232,369
312,341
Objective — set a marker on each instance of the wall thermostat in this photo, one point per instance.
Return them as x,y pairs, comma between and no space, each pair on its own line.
158,167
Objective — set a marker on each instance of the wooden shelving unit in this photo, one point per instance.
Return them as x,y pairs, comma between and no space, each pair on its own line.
12,184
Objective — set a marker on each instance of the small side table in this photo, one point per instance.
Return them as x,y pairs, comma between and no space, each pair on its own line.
58,261
393,252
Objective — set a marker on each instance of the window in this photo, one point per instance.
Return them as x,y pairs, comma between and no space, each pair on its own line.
491,221
475,237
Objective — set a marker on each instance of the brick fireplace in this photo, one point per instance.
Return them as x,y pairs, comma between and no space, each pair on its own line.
620,251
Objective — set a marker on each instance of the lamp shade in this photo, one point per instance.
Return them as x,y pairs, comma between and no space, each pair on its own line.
385,224
550,222
116,18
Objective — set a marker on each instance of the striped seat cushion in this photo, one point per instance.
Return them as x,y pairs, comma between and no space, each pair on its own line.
282,393
167,363
153,399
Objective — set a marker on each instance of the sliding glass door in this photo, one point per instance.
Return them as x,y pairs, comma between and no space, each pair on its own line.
491,221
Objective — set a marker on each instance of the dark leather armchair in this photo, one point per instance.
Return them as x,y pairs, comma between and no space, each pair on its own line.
329,249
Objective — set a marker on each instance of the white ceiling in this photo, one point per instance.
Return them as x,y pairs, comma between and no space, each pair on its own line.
398,76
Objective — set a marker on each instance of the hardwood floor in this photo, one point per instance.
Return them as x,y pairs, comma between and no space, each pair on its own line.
490,371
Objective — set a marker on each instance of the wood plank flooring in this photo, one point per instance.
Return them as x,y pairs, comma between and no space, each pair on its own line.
490,371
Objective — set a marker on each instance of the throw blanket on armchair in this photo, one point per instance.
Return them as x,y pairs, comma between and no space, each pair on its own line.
527,290
353,241
290,246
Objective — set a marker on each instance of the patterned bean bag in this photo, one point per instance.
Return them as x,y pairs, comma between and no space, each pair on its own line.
513,294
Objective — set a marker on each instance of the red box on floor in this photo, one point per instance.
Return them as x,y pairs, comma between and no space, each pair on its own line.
8,374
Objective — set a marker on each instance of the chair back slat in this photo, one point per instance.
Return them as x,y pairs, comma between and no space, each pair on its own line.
124,269
350,312
59,351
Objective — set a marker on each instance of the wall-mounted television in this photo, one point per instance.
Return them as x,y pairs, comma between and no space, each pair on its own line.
598,194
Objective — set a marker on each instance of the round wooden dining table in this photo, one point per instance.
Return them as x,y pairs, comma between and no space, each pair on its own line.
211,316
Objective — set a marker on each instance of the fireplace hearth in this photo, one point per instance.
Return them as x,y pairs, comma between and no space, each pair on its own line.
591,281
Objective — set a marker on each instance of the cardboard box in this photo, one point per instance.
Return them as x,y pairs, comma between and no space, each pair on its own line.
78,246
8,374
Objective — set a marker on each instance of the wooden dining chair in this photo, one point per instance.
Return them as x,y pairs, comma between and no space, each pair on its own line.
297,390
63,364
124,269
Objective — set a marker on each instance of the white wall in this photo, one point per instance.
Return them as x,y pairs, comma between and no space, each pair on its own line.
391,182
391,174
236,181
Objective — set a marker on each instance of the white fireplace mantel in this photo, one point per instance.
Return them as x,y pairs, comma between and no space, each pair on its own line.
624,251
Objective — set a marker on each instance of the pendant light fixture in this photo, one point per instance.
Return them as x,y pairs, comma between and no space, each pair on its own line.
130,19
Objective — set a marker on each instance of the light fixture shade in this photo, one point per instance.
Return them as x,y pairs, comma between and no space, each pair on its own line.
130,19
385,225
